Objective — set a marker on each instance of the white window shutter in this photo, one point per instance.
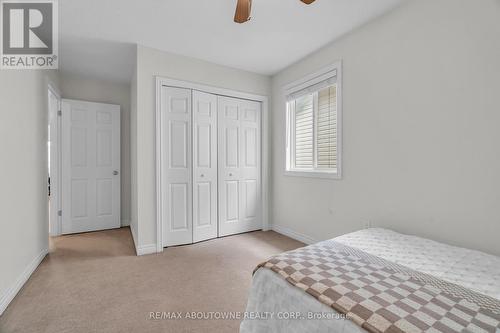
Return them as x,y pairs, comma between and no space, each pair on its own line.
304,132
326,138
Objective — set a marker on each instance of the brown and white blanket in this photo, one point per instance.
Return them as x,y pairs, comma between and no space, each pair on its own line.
381,296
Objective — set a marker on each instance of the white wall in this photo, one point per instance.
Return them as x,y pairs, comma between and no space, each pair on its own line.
421,138
150,63
92,90
23,176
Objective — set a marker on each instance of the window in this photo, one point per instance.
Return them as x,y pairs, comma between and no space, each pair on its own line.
313,125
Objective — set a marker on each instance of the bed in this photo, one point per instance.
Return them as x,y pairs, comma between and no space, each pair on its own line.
278,303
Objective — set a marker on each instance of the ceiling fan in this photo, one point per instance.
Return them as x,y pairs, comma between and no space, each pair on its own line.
244,7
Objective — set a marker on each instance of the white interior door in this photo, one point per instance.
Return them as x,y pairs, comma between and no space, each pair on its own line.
204,166
90,166
239,130
176,161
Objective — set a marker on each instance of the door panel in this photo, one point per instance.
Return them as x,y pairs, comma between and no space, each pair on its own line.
205,166
104,147
179,207
79,195
232,139
78,147
204,204
203,145
90,166
239,161
251,198
250,165
232,201
250,147
176,158
104,197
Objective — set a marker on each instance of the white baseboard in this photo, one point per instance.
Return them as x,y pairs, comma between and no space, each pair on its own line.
142,249
294,234
10,293
145,249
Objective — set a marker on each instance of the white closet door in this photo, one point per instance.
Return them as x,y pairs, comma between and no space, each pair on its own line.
239,166
90,166
177,166
204,166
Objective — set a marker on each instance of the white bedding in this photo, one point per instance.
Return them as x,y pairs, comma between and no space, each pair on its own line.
271,294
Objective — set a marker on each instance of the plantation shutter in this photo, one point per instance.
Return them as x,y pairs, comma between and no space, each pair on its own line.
312,125
304,132
326,138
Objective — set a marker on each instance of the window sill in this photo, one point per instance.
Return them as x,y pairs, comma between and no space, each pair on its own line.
313,174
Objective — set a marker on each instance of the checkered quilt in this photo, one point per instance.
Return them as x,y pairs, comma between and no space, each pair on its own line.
381,296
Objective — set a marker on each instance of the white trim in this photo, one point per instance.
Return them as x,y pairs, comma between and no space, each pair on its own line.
56,173
89,102
321,75
11,292
159,206
265,158
209,89
161,81
54,90
294,234
314,78
340,123
312,174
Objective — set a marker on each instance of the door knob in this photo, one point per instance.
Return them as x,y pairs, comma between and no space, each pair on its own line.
202,175
115,172
230,174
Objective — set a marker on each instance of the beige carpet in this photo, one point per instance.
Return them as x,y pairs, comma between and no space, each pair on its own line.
94,283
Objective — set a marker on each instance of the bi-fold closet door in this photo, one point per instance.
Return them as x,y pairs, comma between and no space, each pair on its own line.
177,167
210,153
204,166
239,166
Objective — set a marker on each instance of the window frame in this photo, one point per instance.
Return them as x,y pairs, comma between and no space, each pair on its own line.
334,70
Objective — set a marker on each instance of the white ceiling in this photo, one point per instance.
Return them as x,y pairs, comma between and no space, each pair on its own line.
97,36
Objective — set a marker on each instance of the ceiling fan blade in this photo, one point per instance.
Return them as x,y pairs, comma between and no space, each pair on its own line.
243,9
307,2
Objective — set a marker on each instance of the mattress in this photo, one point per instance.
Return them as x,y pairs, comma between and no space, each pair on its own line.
281,307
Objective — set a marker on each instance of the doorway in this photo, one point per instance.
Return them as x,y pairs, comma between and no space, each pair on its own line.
234,147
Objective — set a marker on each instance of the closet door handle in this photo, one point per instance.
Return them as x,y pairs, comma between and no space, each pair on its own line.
202,175
230,174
